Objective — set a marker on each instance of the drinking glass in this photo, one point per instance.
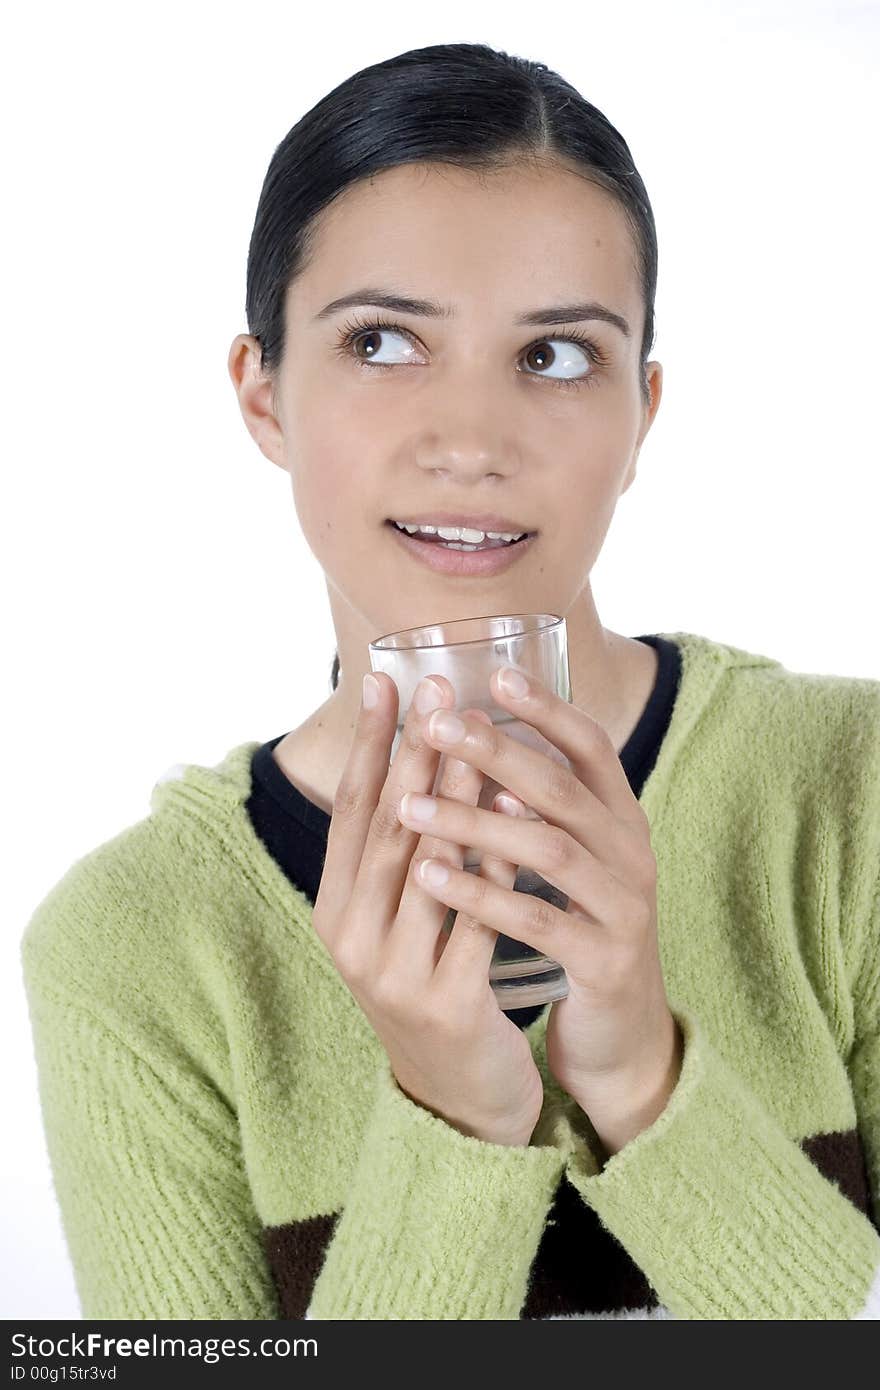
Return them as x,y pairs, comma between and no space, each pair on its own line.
466,651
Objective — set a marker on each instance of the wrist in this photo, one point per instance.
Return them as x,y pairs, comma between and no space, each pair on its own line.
509,1138
514,1135
627,1105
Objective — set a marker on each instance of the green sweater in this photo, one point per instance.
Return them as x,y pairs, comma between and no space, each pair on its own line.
227,1139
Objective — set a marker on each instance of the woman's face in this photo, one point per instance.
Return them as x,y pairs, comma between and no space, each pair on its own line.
466,412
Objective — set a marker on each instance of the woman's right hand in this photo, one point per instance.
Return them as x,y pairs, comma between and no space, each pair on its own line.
426,994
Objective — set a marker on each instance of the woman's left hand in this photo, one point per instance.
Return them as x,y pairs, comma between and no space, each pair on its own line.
612,1043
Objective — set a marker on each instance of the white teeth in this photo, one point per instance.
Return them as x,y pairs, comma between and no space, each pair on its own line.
461,533
468,534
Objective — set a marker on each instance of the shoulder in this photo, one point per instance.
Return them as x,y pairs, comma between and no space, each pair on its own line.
813,733
793,758
124,935
103,893
792,716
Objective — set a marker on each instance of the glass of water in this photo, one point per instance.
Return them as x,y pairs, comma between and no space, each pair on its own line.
466,651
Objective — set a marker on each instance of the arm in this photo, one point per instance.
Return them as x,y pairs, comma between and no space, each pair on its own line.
148,1173
436,1225
158,1215
725,1214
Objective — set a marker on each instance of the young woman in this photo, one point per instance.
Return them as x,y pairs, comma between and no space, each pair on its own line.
271,1086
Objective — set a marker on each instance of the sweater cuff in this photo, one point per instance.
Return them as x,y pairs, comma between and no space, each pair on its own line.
724,1213
437,1224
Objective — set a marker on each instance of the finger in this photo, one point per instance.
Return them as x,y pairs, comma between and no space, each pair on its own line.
553,791
420,927
354,802
389,846
569,937
467,954
580,738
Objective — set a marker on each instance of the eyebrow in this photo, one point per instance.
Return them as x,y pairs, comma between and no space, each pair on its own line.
428,308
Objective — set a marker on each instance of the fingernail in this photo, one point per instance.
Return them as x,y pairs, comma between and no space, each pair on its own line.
415,807
480,714
513,683
428,696
446,727
371,692
508,804
432,871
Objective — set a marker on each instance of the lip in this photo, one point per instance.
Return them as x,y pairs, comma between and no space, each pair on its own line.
473,563
482,521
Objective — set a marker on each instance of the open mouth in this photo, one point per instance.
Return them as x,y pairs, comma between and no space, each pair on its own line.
490,542
456,557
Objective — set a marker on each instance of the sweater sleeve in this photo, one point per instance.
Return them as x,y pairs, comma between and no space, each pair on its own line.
725,1214
147,1167
436,1224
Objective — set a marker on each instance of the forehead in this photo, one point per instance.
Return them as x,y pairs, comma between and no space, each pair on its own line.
502,240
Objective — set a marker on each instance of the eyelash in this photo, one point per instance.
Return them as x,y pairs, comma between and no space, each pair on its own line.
356,327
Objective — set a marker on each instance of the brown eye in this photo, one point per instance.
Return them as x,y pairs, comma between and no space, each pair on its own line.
569,358
366,341
540,355
367,344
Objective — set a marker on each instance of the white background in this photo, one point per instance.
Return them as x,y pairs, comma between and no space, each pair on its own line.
161,603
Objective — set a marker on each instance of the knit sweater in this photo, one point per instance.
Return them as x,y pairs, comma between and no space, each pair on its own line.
228,1140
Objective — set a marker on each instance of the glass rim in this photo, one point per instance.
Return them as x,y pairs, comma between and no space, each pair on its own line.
552,620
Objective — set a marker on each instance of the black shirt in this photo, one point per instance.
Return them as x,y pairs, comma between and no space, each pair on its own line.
294,830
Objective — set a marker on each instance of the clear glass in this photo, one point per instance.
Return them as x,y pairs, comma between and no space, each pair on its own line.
466,652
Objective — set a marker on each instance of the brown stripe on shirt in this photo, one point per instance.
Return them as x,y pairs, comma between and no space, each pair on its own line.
579,1267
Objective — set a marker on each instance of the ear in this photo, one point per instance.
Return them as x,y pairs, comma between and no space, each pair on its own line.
254,390
654,377
631,473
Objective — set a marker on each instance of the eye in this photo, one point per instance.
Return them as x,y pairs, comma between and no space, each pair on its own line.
574,347
365,340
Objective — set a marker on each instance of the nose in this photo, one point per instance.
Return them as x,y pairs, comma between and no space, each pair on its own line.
465,436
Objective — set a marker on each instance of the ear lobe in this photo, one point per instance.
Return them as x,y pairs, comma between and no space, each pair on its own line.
630,476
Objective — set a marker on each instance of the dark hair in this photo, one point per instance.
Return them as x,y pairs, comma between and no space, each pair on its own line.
463,104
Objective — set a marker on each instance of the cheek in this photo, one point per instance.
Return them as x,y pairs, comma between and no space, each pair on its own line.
592,480
336,481
333,503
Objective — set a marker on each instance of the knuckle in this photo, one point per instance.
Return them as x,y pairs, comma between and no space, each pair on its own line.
491,740
599,734
641,859
385,994
348,799
641,915
648,874
480,895
349,961
455,779
537,915
561,785
619,963
440,1016
467,924
556,846
386,826
411,742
